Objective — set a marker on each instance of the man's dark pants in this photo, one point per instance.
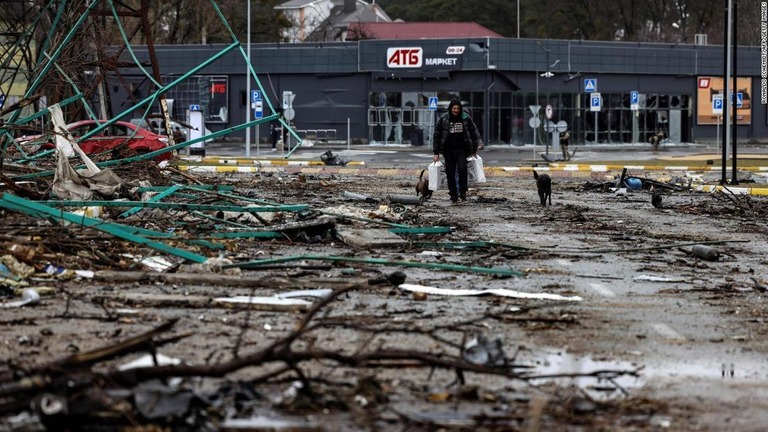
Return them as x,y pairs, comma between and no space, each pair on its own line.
456,159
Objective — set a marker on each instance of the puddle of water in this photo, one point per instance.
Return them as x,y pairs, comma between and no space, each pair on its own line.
601,380
740,369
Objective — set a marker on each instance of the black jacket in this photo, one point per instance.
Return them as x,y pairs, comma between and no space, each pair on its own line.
471,135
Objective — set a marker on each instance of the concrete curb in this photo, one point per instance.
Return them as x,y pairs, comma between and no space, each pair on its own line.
238,161
607,167
570,169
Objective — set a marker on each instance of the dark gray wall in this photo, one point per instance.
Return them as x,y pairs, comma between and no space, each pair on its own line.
332,80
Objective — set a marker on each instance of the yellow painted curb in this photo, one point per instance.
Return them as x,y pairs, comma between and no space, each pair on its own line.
606,168
258,162
734,189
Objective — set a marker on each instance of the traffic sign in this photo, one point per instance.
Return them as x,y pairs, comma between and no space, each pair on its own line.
534,122
433,103
590,85
288,98
259,109
595,102
548,112
194,108
717,105
634,100
255,96
534,109
739,99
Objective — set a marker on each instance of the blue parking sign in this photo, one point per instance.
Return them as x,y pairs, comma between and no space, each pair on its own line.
634,97
255,96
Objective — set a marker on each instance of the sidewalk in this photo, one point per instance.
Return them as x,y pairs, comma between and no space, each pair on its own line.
590,157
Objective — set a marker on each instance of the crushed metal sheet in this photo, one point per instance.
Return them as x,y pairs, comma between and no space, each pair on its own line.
499,292
28,297
213,265
369,237
264,423
148,361
316,293
649,278
272,302
383,212
157,263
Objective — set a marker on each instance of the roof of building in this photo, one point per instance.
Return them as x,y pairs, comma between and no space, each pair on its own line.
417,30
339,20
295,4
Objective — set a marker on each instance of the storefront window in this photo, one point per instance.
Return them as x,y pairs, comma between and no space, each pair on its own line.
405,118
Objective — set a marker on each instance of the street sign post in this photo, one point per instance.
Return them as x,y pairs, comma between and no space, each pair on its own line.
717,109
595,104
717,105
534,122
258,109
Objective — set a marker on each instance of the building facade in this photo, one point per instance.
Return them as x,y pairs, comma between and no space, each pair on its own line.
517,90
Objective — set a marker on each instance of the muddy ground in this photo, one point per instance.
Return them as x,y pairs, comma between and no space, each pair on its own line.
644,334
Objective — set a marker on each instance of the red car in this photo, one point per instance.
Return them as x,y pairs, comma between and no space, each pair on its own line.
122,134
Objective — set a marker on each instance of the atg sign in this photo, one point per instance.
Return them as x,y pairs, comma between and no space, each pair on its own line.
405,57
417,58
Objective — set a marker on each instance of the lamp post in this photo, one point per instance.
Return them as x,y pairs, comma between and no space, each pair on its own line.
536,107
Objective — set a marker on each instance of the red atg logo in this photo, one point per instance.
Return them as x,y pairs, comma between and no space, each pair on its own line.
703,83
404,57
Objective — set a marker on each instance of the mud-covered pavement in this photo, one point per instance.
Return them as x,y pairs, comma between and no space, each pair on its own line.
637,333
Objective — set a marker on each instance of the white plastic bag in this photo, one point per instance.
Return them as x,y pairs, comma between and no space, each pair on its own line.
475,172
437,178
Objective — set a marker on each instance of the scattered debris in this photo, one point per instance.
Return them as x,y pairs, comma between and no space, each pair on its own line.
705,252
329,158
498,292
29,297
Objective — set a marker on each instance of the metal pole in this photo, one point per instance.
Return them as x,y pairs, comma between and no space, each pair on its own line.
248,85
348,136
717,135
536,103
726,94
734,134
596,112
518,19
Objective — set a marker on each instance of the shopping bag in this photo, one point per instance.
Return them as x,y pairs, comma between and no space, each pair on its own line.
475,169
437,178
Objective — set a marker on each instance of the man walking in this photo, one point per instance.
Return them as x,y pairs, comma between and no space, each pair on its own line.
456,137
